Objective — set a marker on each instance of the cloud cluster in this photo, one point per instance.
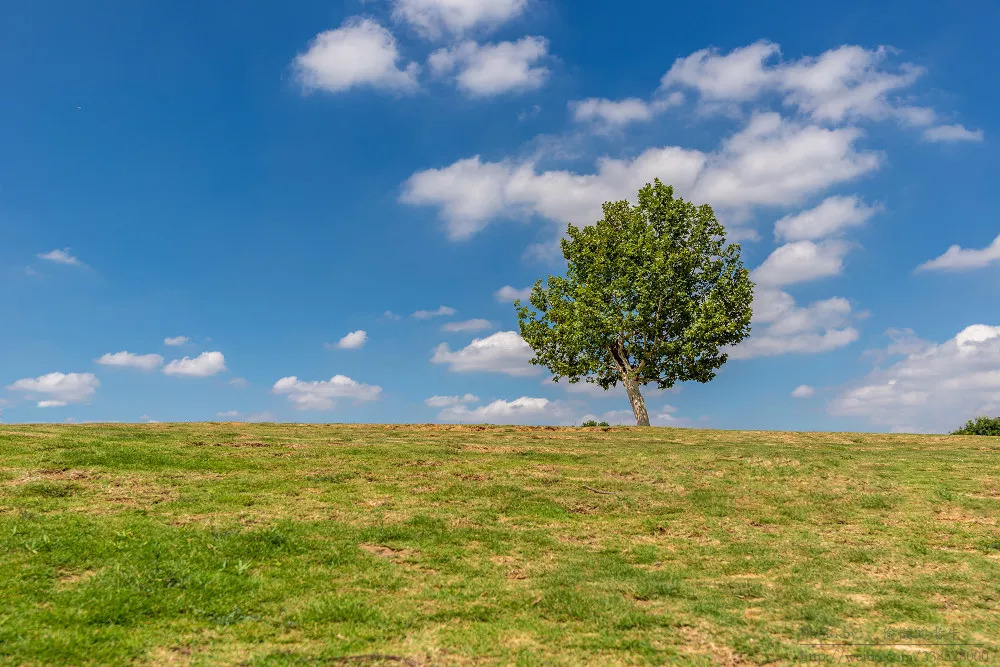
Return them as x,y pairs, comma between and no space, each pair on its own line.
781,327
60,389
770,162
364,53
323,394
503,352
934,387
845,84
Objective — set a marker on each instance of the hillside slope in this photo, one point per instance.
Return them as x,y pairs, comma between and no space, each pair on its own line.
230,543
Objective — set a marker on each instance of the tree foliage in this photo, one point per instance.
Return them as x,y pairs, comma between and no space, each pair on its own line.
652,293
980,426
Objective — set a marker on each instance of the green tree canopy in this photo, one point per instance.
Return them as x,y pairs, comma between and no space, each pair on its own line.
652,293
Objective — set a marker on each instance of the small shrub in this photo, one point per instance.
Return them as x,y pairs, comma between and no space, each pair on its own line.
594,422
980,426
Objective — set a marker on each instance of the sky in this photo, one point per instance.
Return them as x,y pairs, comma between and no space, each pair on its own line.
322,211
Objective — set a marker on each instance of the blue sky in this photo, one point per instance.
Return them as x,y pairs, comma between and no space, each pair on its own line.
259,184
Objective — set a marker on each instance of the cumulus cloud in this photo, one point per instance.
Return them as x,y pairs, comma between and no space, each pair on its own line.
62,256
503,352
144,362
951,133
447,401
803,391
615,114
204,365
352,341
801,261
933,388
358,53
524,410
485,70
176,341
477,324
508,294
59,389
322,395
833,215
427,314
781,327
435,18
770,162
957,258
842,84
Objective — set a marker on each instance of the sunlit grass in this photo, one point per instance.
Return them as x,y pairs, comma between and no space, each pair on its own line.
236,543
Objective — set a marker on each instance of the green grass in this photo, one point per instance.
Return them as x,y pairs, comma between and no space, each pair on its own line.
268,544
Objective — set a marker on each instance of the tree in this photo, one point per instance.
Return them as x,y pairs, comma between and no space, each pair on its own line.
652,293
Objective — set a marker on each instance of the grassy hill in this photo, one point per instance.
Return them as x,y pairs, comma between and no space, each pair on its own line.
274,544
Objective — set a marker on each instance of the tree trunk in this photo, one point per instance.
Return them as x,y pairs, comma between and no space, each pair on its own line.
638,403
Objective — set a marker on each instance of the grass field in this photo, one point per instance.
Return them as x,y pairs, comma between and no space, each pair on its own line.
276,544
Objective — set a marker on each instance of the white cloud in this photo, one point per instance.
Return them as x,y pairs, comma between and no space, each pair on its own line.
446,401
358,53
477,324
833,215
427,314
842,84
617,113
524,410
509,294
351,341
239,382
59,388
803,391
503,352
389,315
770,162
237,416
322,395
62,256
957,258
434,18
204,365
934,388
176,341
781,327
738,75
947,133
484,70
801,261
145,362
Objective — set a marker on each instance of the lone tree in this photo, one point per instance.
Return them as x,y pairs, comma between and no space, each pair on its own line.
652,293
